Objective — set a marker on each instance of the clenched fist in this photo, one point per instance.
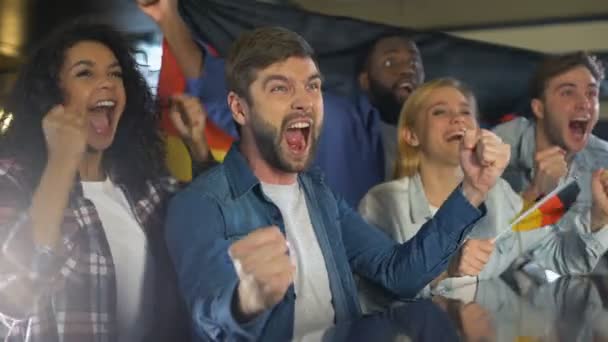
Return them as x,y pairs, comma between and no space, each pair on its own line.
471,258
66,132
599,206
483,158
264,269
549,167
159,10
189,118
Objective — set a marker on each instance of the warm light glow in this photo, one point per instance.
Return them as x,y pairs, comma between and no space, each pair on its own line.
5,120
13,17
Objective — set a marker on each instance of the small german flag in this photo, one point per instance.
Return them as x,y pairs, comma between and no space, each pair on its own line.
549,209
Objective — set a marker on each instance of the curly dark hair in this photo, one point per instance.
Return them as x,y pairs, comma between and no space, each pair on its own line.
137,152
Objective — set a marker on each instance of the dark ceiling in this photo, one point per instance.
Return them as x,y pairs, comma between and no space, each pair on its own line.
25,22
43,15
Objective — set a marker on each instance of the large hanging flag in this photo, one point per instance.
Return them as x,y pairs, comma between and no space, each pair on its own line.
172,81
340,43
549,210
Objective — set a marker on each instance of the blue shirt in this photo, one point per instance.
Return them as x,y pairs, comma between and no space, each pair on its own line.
227,203
350,150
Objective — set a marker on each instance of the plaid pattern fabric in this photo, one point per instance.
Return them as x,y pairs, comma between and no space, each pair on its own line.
67,294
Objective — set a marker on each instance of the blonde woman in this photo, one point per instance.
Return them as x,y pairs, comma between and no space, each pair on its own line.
431,125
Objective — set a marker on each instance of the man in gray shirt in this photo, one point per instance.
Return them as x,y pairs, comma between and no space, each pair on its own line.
556,146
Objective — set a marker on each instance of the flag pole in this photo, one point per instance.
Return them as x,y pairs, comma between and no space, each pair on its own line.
522,216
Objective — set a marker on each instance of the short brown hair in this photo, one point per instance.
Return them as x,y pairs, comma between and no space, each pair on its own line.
555,65
258,49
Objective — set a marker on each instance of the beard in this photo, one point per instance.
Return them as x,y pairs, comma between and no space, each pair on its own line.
385,101
268,139
553,133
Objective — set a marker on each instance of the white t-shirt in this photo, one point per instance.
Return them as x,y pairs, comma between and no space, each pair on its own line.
313,308
132,259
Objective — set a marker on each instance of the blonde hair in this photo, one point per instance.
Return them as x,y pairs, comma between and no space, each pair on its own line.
408,157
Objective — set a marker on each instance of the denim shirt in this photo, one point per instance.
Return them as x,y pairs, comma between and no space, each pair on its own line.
400,207
227,203
574,248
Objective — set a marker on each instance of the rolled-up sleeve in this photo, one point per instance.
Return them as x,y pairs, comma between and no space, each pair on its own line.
27,271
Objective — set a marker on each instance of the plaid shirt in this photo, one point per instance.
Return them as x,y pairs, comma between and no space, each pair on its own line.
69,294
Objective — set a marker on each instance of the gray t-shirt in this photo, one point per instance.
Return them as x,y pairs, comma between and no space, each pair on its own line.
313,308
389,142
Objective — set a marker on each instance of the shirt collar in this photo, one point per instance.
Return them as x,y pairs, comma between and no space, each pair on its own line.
240,176
242,179
369,113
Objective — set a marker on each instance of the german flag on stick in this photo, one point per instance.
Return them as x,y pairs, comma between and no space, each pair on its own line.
548,210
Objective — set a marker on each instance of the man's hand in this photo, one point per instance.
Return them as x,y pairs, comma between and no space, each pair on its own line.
483,158
161,11
165,14
549,167
599,206
189,119
264,269
471,258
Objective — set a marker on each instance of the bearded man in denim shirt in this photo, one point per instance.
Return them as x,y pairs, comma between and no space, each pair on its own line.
264,250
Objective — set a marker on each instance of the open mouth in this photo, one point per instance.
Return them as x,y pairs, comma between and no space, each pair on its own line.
404,88
297,135
101,115
454,136
578,127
